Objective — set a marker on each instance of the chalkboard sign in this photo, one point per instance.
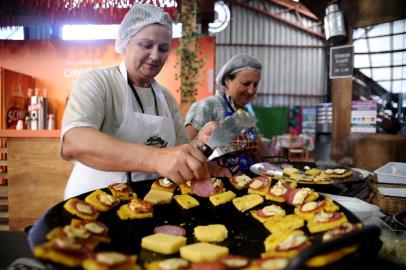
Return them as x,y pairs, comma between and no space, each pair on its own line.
341,61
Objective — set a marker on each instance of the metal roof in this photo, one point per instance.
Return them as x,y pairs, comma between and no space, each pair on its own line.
293,56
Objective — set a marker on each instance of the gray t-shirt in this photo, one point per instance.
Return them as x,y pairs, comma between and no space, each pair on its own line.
98,100
206,110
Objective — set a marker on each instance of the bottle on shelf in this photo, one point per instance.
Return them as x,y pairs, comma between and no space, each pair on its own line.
51,122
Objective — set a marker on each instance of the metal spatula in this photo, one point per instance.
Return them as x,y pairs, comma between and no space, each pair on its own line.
244,119
228,130
222,135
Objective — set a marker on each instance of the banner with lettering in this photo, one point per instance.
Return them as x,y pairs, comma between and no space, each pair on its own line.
56,64
14,92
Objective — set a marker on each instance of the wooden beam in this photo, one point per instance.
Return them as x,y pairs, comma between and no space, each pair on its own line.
369,12
278,18
362,13
297,6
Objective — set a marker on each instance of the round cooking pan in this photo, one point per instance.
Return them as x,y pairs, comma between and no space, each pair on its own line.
400,219
245,234
348,186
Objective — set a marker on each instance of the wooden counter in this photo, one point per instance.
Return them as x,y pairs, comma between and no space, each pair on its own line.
37,175
12,133
371,151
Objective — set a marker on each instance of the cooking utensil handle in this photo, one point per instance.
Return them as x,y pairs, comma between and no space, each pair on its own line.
205,149
367,237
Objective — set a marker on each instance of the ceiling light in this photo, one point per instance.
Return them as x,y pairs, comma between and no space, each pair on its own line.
334,25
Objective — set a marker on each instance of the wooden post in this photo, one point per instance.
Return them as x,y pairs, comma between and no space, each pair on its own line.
341,93
341,97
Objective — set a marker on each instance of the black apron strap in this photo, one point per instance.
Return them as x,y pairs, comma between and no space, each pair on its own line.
137,97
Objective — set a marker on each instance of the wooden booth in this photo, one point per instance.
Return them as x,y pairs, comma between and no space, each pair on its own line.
32,172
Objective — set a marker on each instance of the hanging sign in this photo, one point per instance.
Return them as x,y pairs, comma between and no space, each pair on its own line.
341,61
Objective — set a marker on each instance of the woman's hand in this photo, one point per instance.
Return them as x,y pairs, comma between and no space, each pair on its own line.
181,163
218,171
205,132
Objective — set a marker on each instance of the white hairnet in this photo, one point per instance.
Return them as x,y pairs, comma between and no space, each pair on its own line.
237,63
139,16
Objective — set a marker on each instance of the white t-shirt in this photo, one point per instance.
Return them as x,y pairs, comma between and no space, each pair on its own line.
98,99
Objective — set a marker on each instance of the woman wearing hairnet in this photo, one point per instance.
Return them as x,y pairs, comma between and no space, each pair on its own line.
120,124
237,84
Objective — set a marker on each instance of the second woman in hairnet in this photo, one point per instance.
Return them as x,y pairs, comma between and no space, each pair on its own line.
237,84
121,125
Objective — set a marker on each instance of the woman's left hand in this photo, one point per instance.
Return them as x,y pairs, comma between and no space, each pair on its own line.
218,171
205,132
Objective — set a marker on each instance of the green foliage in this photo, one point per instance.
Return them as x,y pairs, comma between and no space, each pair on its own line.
188,56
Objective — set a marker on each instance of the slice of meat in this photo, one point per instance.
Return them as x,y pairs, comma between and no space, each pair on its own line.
170,229
208,266
203,187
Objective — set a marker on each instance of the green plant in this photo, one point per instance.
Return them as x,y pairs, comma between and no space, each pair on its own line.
188,57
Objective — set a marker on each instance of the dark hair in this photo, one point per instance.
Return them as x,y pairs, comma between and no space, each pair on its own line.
229,76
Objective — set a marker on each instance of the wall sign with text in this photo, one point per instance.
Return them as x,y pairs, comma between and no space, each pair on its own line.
341,61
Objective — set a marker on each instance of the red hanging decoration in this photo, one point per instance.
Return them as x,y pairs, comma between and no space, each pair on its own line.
68,11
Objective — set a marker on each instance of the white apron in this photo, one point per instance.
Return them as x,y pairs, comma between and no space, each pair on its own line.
136,127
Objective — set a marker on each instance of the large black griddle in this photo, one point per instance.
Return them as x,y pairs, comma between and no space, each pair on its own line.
245,234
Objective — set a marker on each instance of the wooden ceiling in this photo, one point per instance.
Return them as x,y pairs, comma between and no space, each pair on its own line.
362,13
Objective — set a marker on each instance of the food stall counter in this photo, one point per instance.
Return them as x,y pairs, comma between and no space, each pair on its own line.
12,133
36,174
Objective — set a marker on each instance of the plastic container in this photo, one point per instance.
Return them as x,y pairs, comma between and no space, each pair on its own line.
392,172
392,191
51,122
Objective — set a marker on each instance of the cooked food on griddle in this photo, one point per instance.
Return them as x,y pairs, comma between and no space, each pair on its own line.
122,191
164,184
163,243
268,212
186,201
247,202
157,196
211,233
260,185
222,198
110,260
135,209
283,214
81,209
323,221
240,181
203,252
101,200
